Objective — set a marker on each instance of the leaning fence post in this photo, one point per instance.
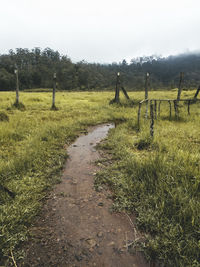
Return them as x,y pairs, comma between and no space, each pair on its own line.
152,119
170,109
139,112
189,107
197,92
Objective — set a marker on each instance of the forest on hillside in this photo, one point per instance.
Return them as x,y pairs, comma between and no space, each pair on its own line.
36,68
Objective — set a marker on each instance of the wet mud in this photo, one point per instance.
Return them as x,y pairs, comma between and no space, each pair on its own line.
76,227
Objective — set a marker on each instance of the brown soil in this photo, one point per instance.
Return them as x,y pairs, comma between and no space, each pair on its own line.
76,227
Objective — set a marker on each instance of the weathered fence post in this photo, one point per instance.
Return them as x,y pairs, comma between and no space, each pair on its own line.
189,107
125,93
170,109
155,109
139,112
152,119
146,111
159,108
17,85
146,94
54,91
197,92
117,88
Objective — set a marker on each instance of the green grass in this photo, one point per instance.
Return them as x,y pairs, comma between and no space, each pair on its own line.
158,179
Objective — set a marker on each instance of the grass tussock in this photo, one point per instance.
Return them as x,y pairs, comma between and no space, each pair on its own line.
19,106
4,116
54,108
156,178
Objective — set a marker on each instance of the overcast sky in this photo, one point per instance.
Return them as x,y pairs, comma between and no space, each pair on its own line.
101,31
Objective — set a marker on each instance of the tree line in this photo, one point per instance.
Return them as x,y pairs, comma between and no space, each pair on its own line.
36,68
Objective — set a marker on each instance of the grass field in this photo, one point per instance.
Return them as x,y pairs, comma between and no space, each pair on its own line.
159,179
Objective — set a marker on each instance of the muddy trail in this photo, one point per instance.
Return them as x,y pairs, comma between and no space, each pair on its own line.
76,227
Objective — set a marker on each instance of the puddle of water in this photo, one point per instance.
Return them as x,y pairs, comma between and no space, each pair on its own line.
82,152
95,135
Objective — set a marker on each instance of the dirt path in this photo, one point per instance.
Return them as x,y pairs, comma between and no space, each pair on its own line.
76,227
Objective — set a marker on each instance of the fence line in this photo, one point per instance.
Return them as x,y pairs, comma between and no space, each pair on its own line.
153,109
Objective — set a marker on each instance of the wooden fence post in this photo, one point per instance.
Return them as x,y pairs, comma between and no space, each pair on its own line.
117,89
189,107
125,93
116,100
146,94
146,111
139,112
152,119
155,109
197,92
54,91
17,85
170,109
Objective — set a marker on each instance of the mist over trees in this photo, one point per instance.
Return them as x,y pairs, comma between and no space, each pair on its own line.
36,68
